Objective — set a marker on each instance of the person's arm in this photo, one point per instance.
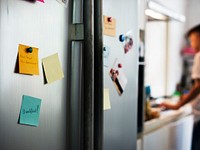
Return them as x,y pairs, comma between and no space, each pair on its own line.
192,94
185,98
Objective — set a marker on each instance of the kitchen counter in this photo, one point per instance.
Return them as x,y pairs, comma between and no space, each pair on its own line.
167,117
172,130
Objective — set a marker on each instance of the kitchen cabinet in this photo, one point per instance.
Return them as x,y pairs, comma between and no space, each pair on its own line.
139,144
156,140
173,136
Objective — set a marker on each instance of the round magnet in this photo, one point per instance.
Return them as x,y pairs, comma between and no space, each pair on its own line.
109,19
30,50
119,65
121,38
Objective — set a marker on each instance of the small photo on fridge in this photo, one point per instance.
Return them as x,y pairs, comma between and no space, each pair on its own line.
118,77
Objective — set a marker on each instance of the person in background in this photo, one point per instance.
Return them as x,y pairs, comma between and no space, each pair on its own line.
193,95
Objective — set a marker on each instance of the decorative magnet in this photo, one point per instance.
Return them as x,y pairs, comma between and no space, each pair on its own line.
118,77
109,19
121,38
127,41
128,45
29,50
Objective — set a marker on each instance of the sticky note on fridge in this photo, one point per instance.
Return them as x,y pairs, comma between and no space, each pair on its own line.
30,110
52,68
28,60
41,1
106,98
109,26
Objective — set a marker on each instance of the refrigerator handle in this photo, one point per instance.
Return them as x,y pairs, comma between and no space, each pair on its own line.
77,17
82,32
76,95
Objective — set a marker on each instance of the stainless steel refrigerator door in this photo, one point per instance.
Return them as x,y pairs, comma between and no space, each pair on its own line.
44,26
120,122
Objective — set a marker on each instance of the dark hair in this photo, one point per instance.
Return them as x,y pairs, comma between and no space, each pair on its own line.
195,29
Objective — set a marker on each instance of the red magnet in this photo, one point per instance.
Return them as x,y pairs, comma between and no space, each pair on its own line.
109,19
119,65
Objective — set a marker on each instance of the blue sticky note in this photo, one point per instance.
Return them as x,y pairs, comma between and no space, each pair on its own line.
30,110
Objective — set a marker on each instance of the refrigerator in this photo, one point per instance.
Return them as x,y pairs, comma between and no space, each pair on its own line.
120,118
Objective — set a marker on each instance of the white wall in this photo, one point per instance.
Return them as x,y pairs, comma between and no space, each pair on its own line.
155,69
193,13
176,31
176,42
141,13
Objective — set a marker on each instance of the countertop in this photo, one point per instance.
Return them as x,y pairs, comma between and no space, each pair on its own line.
167,117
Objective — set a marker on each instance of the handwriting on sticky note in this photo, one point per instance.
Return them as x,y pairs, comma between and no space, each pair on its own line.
106,98
30,110
28,60
52,68
109,27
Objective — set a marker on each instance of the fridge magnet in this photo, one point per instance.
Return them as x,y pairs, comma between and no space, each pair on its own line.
109,26
28,60
118,77
106,54
106,99
63,2
30,111
127,41
41,1
52,68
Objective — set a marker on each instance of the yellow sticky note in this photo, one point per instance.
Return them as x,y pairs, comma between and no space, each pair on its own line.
52,68
106,98
28,60
109,27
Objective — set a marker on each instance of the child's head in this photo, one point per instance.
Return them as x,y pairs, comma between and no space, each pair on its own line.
194,37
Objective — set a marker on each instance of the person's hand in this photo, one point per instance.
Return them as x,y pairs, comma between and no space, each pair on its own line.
183,97
168,105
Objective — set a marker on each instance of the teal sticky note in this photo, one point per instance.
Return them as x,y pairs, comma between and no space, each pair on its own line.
30,110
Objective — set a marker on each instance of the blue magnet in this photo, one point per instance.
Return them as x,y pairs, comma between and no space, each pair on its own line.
30,50
121,38
106,51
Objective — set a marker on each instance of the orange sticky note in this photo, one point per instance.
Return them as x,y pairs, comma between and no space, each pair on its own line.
28,60
109,27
